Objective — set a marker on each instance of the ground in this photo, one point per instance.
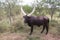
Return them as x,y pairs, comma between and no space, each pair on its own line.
17,36
51,37
54,33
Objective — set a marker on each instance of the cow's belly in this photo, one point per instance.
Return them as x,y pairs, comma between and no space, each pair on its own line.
38,23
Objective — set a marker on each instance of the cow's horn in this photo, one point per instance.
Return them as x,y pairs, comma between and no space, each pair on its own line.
22,11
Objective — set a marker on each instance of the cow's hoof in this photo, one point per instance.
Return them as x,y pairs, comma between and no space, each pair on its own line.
41,32
30,34
46,33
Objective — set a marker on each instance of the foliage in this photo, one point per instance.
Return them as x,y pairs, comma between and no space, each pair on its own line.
27,8
4,26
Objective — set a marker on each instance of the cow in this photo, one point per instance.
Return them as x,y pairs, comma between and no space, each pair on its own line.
36,20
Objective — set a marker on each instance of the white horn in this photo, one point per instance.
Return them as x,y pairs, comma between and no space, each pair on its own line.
23,11
31,12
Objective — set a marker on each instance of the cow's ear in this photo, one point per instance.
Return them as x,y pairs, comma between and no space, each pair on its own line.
24,16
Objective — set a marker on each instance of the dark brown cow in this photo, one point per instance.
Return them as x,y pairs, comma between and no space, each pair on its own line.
36,20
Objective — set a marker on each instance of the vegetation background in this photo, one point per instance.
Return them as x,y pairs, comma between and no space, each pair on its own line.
12,26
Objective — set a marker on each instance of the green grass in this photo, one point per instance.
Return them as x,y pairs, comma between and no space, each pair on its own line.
19,27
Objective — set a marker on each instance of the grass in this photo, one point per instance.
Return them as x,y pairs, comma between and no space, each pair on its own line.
19,28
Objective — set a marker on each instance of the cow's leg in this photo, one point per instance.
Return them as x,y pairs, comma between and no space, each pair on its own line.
43,28
47,28
31,30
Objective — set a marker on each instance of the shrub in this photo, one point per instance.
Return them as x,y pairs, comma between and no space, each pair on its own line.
4,26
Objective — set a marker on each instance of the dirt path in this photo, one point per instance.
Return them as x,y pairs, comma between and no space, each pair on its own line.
15,36
51,37
12,36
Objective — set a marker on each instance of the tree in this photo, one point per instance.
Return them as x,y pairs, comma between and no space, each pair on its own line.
52,5
12,9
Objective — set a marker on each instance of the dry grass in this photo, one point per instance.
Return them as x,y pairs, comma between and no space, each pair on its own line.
21,31
25,36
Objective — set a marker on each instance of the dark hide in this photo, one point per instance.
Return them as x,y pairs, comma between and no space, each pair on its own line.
38,21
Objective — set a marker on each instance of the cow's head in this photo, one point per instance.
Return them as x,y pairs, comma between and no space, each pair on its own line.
26,17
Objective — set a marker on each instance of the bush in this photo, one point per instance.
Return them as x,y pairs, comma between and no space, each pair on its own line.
4,26
17,26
